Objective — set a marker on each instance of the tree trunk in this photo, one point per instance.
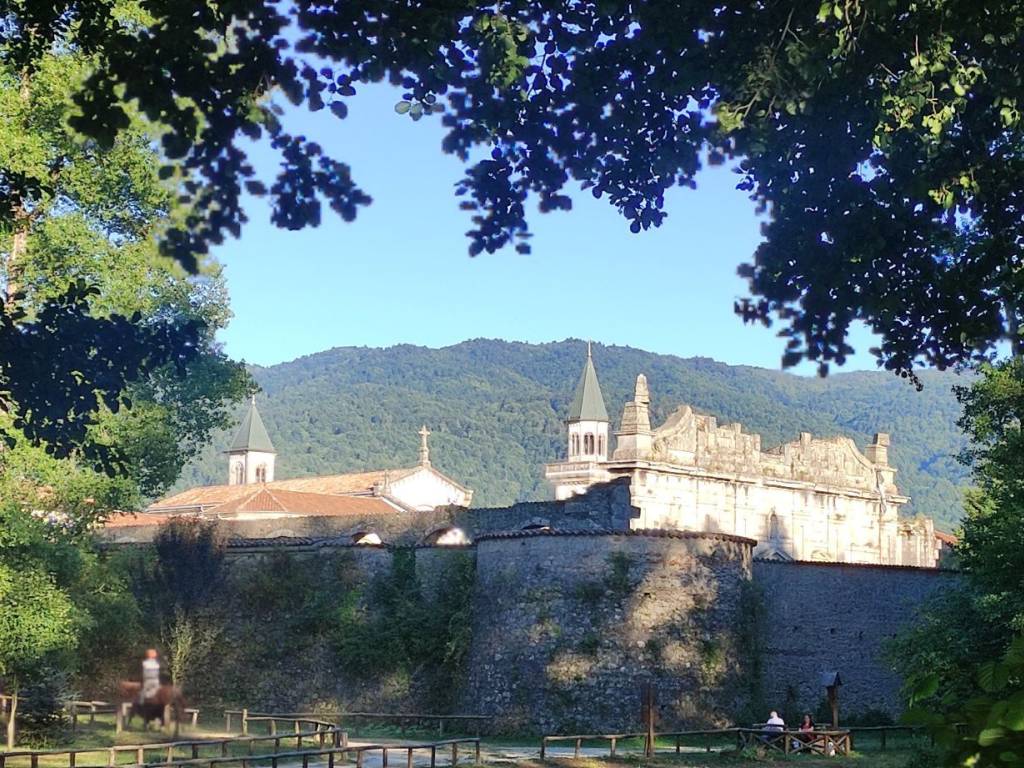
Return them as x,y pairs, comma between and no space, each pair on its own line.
11,714
20,223
1013,325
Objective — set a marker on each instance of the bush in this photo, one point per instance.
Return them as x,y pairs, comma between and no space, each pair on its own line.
42,719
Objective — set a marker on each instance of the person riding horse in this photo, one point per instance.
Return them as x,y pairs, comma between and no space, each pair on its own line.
152,699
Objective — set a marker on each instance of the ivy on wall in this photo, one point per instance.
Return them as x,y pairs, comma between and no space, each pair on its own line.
394,628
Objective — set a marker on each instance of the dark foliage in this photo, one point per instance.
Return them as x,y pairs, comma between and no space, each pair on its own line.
496,409
189,563
60,367
883,137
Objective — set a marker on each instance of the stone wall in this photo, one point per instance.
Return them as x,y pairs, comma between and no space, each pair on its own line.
565,626
820,617
604,507
569,625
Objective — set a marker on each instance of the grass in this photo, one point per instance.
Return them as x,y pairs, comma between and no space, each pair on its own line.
101,735
727,760
522,750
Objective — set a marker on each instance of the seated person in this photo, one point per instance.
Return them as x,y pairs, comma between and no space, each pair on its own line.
806,727
774,722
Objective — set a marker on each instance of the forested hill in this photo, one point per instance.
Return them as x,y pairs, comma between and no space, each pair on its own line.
496,411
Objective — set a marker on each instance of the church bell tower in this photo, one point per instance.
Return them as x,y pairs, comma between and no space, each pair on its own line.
587,427
251,455
588,421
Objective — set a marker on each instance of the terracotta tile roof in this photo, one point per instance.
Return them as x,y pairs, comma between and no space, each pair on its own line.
134,520
354,482
272,499
946,538
210,496
203,496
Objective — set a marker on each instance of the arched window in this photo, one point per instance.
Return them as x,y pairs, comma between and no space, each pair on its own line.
367,538
239,471
575,445
588,444
261,473
600,445
446,537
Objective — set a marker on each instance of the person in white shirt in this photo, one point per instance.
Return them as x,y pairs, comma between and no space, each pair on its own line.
774,722
150,676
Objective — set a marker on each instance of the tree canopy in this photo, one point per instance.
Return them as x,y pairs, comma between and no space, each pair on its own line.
963,659
882,136
108,349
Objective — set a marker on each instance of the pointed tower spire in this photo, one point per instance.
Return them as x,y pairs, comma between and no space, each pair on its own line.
251,455
588,402
251,434
588,417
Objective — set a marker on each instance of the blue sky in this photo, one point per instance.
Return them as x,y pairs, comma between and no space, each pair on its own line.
401,274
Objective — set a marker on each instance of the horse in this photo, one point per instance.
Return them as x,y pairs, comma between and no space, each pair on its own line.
168,699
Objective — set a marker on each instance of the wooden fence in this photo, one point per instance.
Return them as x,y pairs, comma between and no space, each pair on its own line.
326,734
333,755
842,739
341,718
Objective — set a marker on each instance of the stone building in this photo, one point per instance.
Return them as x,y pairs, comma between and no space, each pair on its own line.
289,507
818,499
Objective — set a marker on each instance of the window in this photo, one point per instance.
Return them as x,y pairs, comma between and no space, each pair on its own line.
600,445
261,473
239,471
447,537
588,444
575,445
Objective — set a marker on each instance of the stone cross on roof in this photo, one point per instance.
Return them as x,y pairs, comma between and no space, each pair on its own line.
424,433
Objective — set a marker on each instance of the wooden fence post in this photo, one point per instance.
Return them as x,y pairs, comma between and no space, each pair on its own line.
455,753
245,722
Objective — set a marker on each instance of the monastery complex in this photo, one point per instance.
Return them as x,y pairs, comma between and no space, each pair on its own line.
817,499
813,499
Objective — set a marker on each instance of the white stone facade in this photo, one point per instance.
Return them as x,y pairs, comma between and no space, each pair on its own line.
247,467
817,499
425,489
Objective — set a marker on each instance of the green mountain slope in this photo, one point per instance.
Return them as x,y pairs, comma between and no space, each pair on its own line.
496,412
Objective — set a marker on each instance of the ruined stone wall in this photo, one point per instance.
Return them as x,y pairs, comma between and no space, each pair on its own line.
820,617
568,626
604,507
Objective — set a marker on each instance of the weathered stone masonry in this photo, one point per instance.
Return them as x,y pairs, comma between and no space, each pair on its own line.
569,625
828,616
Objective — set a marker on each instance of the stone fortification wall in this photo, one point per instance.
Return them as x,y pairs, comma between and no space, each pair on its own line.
820,617
604,507
567,626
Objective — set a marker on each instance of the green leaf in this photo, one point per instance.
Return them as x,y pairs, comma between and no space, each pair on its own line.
402,107
1013,718
990,736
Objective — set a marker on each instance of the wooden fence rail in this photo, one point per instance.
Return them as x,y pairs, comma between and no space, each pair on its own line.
331,755
841,740
341,717
326,734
